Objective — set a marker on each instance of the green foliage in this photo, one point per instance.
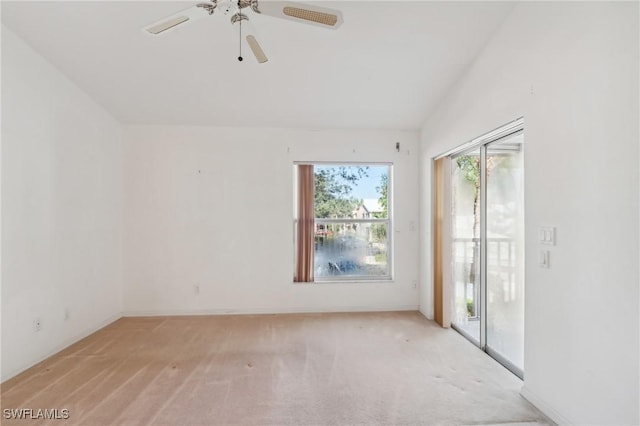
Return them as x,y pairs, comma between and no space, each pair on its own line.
470,167
383,190
381,257
380,231
333,186
470,308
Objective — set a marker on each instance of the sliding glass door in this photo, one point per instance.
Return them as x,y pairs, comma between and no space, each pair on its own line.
505,247
465,243
487,246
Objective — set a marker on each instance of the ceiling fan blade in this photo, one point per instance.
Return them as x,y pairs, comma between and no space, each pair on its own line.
185,16
244,28
256,49
299,12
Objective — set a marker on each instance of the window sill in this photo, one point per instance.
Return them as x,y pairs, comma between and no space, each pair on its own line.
352,281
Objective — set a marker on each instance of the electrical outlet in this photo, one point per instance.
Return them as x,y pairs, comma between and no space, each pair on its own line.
66,314
37,324
196,289
415,284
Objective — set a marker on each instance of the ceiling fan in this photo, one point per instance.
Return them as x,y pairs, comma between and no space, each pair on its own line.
298,12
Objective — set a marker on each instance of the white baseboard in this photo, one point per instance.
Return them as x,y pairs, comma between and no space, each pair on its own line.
425,314
543,406
65,344
258,311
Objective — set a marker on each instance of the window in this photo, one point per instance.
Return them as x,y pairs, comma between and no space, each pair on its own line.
342,222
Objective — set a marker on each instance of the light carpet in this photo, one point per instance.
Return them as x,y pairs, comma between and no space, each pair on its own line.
391,368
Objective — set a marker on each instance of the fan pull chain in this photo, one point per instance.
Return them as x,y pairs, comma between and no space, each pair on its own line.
240,23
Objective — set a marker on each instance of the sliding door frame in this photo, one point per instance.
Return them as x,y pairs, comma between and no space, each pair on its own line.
441,243
481,142
483,246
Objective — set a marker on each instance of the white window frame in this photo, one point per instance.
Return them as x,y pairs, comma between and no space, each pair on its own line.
388,221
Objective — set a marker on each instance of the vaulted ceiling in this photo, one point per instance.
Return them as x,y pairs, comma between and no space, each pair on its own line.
387,66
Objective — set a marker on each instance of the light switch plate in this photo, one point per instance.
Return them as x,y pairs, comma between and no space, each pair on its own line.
543,262
547,235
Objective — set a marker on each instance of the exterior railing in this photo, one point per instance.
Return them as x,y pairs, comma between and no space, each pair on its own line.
501,257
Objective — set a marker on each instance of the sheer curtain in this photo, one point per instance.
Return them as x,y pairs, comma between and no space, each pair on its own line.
305,225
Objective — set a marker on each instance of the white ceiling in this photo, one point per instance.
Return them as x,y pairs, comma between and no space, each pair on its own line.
386,67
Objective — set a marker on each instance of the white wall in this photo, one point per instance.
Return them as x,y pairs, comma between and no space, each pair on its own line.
571,69
61,210
213,207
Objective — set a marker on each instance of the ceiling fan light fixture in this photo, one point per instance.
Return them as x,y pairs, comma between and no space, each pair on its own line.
167,25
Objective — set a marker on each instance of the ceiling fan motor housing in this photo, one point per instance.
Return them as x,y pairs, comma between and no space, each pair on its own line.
230,6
